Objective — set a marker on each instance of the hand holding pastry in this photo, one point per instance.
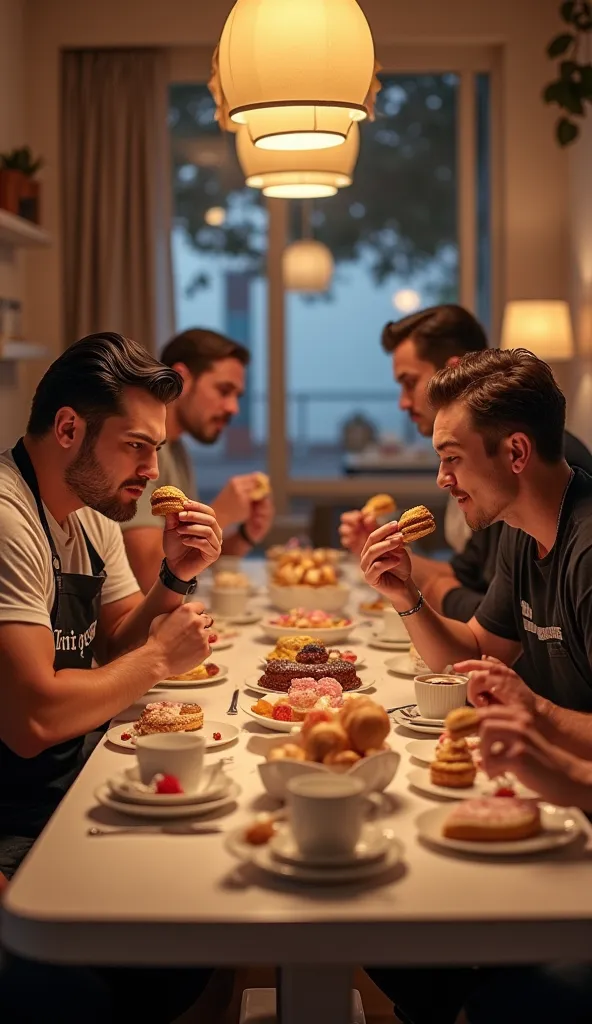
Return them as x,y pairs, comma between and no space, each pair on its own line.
492,682
192,539
233,503
354,530
510,742
378,506
385,561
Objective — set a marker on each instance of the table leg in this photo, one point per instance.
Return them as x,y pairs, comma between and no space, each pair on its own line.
315,995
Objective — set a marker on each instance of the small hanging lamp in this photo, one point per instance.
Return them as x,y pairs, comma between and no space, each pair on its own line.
307,265
296,73
299,174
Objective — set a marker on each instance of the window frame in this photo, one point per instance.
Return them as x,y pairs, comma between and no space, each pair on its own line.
192,64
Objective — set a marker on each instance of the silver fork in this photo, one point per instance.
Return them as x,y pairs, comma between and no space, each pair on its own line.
406,713
233,709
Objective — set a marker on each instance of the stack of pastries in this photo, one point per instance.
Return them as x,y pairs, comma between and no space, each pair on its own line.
358,730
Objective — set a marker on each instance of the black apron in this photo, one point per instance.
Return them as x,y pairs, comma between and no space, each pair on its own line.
31,788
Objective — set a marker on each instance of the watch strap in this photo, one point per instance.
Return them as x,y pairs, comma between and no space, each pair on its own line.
172,582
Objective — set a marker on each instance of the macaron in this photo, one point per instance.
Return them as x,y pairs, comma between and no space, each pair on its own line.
167,500
262,487
415,523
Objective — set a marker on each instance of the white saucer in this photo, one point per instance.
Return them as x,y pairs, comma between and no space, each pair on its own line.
420,779
372,845
413,726
222,674
228,734
248,619
561,825
121,787
401,665
400,646
252,683
103,795
262,857
223,645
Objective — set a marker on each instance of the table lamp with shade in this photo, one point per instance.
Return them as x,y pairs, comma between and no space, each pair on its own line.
542,326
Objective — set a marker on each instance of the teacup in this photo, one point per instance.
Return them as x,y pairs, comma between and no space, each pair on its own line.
326,813
228,602
172,753
437,693
393,627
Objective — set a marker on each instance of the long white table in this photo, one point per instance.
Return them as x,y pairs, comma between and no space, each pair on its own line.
177,899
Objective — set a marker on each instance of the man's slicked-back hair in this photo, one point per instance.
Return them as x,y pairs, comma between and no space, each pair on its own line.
198,349
439,333
506,391
90,378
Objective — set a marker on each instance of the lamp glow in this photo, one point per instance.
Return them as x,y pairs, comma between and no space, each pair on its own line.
543,327
304,174
307,266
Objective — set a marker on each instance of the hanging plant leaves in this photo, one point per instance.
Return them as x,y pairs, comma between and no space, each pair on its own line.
560,45
586,81
567,10
566,131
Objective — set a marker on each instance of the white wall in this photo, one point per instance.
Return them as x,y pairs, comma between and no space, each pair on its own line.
534,207
13,377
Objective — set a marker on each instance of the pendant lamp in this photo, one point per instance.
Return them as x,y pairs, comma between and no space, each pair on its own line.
307,265
300,174
296,72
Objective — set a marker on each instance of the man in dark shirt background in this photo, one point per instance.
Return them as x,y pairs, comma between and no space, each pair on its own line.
421,344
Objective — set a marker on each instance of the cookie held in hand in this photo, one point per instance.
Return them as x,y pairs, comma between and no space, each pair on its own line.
167,501
415,523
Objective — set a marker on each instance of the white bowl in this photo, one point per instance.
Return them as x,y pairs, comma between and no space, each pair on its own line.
332,598
376,772
337,635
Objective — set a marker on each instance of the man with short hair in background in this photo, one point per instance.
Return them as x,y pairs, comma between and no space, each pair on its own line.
213,371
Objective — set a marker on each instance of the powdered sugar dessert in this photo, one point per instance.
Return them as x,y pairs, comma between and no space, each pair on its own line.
493,819
168,716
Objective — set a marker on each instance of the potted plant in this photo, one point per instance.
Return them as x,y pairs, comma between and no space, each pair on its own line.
572,89
19,191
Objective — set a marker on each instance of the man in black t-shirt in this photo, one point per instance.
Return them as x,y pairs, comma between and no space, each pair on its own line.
499,433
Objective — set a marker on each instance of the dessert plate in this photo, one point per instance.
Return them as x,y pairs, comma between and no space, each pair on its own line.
224,642
218,678
401,665
482,786
561,825
372,845
104,796
268,723
213,785
252,683
248,619
228,734
263,857
400,646
422,750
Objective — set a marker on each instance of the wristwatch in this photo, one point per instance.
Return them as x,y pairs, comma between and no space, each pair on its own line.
242,532
172,582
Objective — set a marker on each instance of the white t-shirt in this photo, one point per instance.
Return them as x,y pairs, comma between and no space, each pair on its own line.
27,585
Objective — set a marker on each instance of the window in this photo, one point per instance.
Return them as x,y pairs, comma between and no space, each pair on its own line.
219,248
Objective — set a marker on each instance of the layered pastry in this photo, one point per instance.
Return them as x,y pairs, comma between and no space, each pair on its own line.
415,523
453,767
300,618
167,500
379,505
312,663
287,647
169,716
462,722
493,819
198,673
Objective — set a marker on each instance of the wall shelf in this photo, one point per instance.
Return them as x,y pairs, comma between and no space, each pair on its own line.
16,231
12,351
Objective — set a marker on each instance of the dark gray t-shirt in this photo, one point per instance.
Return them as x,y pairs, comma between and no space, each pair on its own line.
546,603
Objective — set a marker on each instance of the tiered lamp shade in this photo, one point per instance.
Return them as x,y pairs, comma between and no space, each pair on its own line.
296,72
298,174
307,266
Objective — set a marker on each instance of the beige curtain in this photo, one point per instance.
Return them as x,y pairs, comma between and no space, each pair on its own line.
116,195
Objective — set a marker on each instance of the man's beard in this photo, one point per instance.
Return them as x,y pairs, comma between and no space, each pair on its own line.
86,477
198,432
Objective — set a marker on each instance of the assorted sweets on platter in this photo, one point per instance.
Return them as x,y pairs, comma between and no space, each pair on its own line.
287,647
310,662
301,618
226,580
497,818
295,551
339,741
198,674
165,716
303,696
310,569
